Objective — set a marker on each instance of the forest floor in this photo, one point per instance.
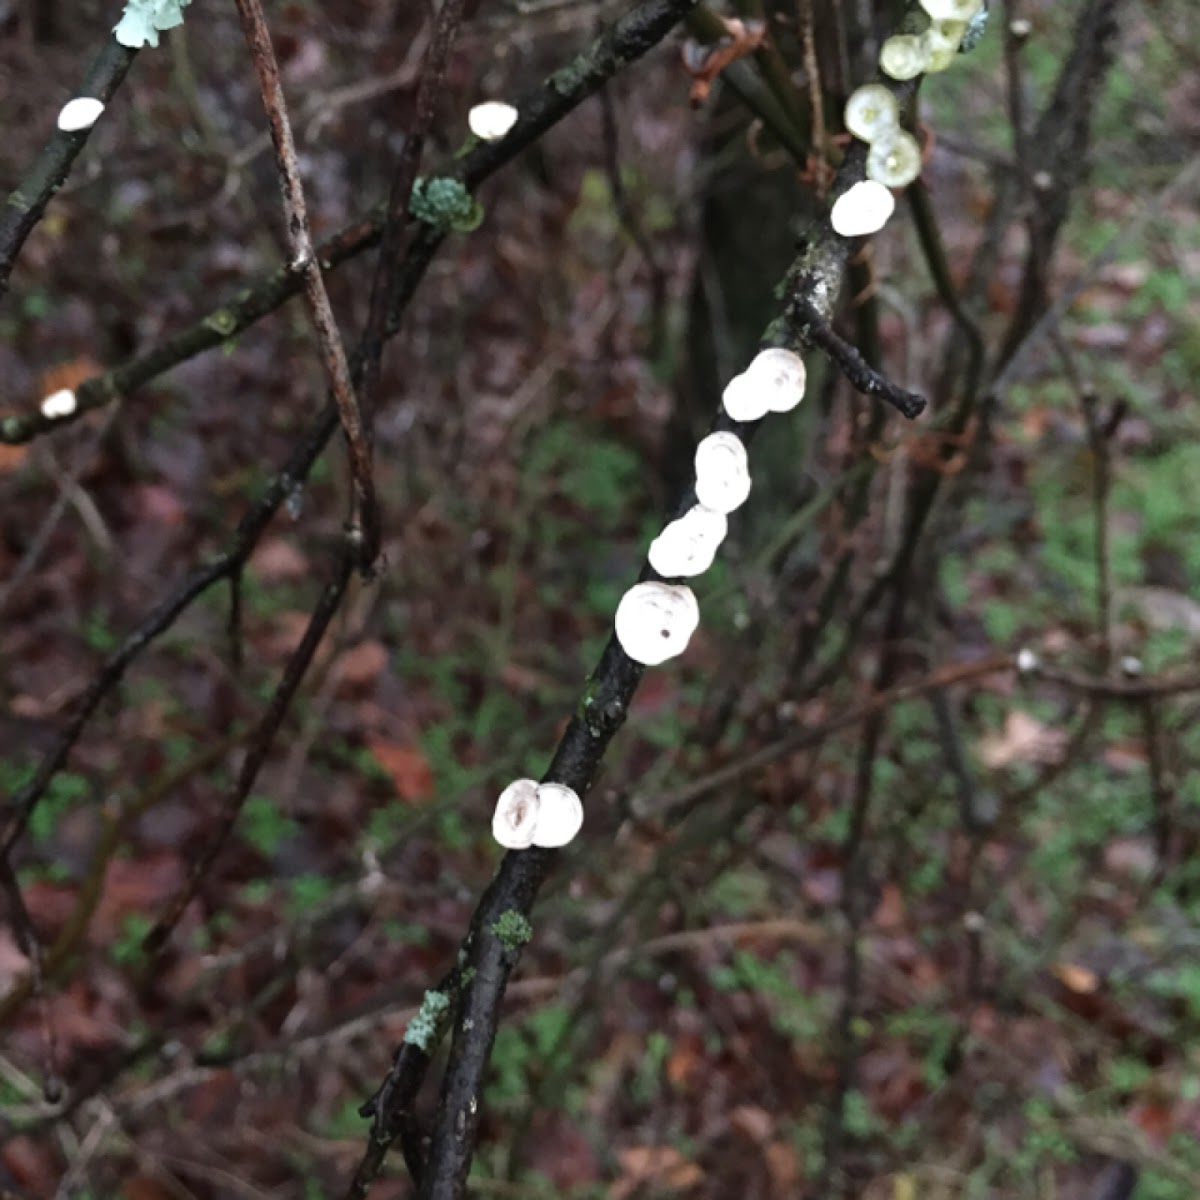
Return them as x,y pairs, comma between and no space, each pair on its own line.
1027,1014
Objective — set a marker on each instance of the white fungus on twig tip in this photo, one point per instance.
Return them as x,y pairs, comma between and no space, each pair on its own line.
516,816
688,545
491,120
863,209
560,816
1027,661
655,621
80,113
722,472
59,404
1131,666
872,110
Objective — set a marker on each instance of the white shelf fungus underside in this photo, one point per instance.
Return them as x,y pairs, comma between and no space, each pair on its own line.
722,472
560,816
862,210
655,621
79,114
529,813
58,404
491,120
688,546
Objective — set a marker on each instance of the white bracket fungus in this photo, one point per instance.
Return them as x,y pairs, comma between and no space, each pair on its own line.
560,816
781,375
491,120
904,56
863,209
894,160
689,544
80,113
743,399
59,404
773,382
942,40
871,112
516,814
533,814
722,472
655,621
951,10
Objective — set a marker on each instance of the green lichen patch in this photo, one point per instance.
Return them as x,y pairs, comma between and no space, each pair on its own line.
513,930
446,205
422,1030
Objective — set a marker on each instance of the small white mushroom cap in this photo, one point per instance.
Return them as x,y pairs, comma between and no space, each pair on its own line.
560,816
942,40
1027,661
872,110
903,56
655,621
690,543
894,161
491,120
80,113
722,472
951,10
863,209
59,404
516,816
781,375
744,399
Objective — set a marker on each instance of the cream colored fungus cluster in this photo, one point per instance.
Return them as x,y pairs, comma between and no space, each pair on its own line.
655,620
872,115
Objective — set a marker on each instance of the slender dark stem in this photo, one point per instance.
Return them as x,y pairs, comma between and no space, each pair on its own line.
865,379
26,204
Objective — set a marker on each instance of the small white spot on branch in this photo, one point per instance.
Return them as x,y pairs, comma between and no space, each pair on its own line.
80,113
59,404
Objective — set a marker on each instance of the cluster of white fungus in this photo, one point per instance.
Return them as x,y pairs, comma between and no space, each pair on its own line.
529,813
872,114
907,55
655,619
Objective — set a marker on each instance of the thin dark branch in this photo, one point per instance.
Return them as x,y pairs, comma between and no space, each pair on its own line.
389,274
540,110
815,328
25,205
259,744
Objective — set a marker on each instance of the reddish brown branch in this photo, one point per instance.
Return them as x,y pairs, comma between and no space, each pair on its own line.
365,516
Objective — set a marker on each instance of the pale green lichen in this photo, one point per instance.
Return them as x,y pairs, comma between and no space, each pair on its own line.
976,28
513,930
143,20
222,321
446,205
422,1030
10,429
